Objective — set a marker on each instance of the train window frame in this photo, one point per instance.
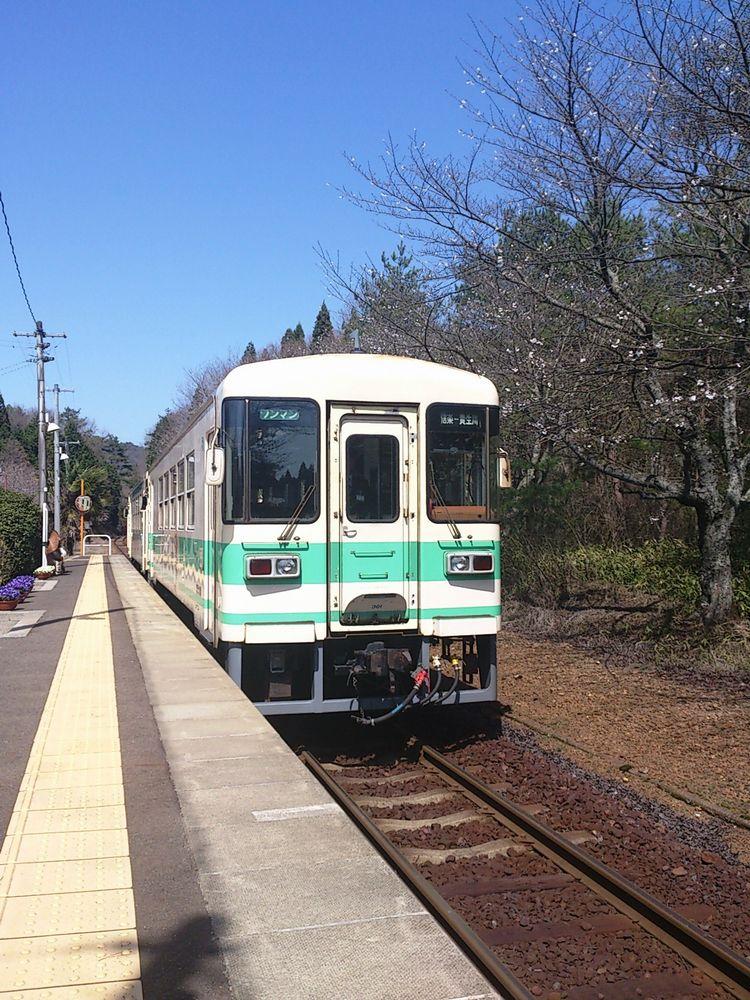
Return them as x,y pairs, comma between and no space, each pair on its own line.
317,498
492,516
190,491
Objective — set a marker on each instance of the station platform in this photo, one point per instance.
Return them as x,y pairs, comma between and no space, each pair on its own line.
161,841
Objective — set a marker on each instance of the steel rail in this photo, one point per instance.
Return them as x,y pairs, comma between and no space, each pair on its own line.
472,944
708,955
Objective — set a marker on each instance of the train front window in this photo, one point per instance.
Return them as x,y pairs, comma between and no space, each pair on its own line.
457,462
234,431
277,474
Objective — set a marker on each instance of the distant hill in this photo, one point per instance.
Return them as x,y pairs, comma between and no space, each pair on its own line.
136,454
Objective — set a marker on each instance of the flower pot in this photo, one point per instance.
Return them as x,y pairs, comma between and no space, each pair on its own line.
8,605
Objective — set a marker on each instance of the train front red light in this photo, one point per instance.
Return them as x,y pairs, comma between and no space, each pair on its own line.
483,564
259,567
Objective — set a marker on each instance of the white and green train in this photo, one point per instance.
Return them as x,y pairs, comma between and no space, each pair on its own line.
331,522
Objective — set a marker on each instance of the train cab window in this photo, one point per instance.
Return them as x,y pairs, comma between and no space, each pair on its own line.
495,473
372,479
272,455
460,478
234,432
190,490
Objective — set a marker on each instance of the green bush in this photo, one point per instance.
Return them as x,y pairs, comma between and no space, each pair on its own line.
20,535
668,568
544,574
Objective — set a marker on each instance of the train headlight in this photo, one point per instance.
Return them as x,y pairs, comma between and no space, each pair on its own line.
458,564
288,566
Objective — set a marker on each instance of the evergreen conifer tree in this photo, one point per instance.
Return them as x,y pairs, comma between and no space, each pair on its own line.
249,354
293,341
5,428
323,328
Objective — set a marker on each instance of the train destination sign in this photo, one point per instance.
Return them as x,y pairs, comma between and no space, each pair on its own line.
454,418
279,413
83,504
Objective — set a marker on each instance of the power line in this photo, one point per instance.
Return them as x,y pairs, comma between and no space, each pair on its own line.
15,259
13,368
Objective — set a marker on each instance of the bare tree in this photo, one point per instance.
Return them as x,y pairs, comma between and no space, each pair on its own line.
16,471
598,239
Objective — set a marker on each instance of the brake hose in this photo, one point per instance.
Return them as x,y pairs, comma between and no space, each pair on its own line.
430,699
451,689
419,678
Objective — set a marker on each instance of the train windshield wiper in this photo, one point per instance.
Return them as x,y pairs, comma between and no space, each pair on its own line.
454,529
296,514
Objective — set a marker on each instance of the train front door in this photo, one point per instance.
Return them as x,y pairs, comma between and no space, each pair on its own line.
373,518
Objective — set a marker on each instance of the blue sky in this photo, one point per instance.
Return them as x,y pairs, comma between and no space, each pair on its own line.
168,169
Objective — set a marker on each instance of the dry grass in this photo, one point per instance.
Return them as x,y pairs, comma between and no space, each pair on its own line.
621,625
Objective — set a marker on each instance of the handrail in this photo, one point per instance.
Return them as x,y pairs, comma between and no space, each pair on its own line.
87,538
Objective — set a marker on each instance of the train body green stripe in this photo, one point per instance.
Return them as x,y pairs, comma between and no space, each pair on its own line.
349,563
297,617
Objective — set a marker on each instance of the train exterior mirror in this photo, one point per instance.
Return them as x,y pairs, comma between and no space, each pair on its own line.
504,477
215,467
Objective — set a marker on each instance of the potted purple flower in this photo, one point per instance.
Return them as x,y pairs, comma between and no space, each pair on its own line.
9,595
23,585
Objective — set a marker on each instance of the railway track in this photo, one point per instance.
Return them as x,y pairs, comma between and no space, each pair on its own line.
540,915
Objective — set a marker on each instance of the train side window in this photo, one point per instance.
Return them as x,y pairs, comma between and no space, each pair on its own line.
181,493
190,490
173,497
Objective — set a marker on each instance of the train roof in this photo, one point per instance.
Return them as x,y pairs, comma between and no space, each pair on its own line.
359,377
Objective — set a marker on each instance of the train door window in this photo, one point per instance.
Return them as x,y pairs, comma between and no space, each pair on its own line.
190,490
181,494
372,479
160,520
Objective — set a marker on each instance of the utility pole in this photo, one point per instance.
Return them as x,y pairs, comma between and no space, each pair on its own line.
42,359
56,508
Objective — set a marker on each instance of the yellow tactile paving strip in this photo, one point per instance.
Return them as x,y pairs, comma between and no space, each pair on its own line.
67,913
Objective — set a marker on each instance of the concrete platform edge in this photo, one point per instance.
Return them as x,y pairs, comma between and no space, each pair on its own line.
301,907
